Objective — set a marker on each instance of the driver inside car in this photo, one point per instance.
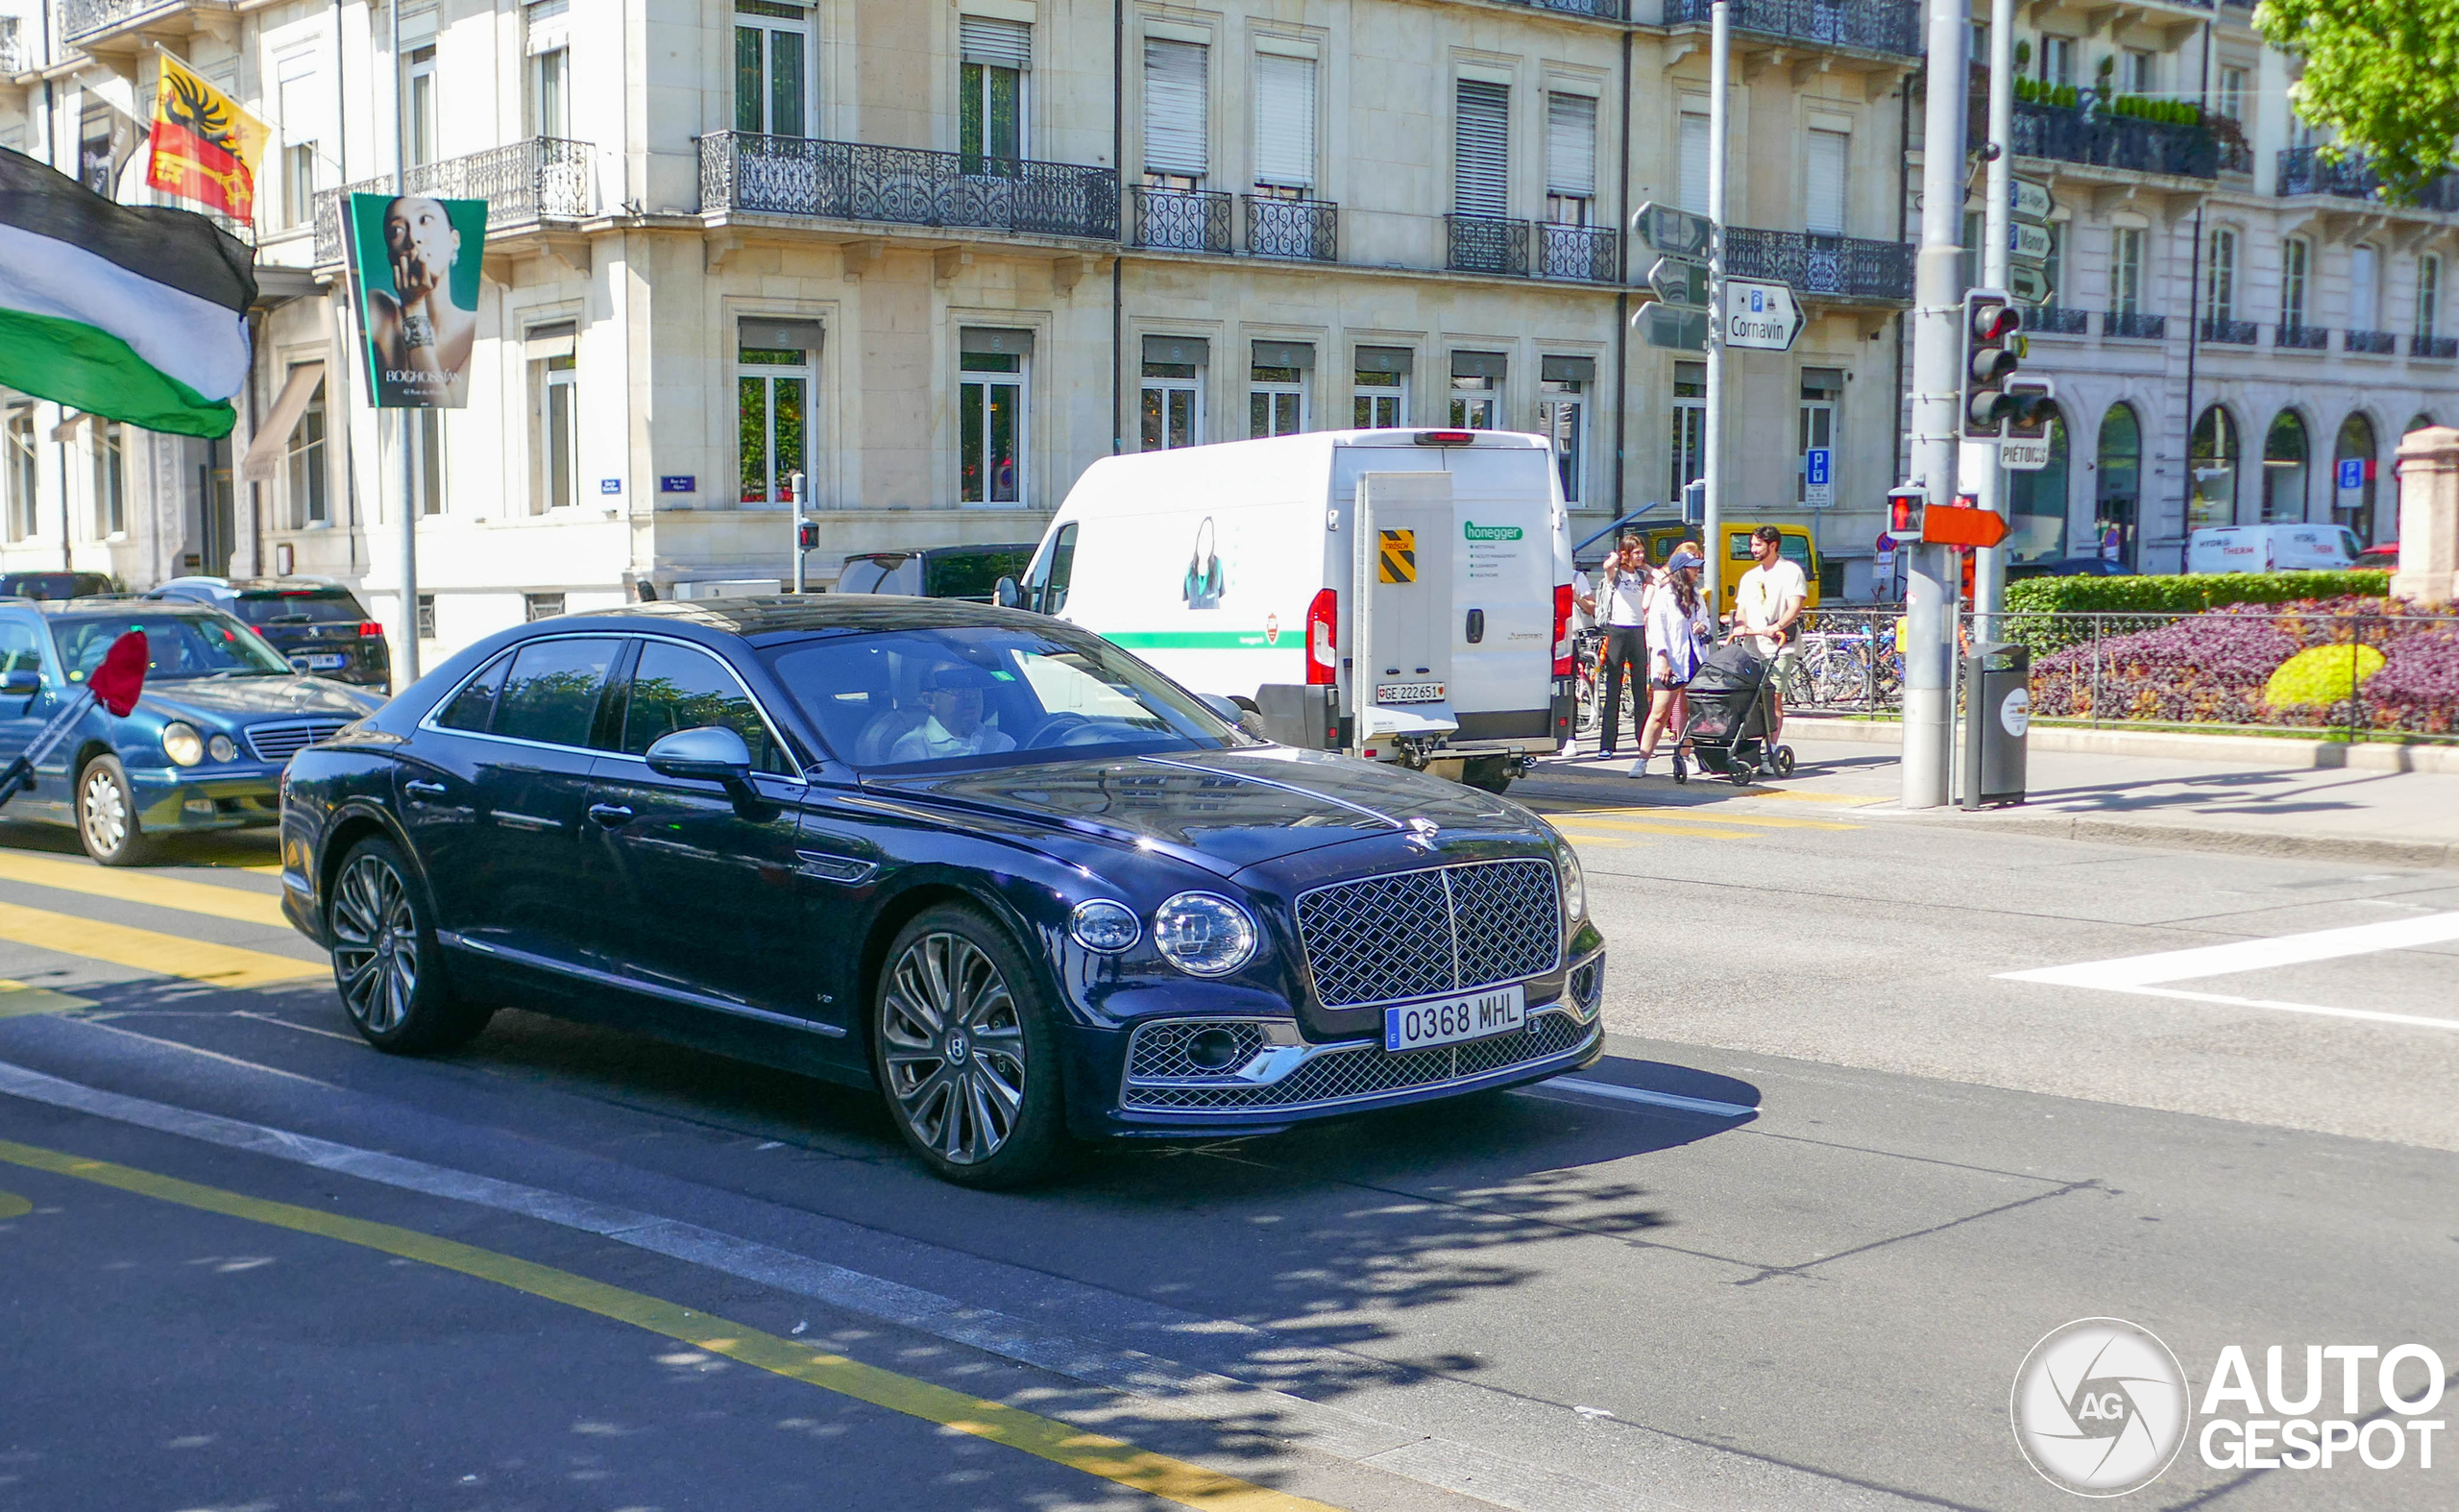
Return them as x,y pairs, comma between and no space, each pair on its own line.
954,727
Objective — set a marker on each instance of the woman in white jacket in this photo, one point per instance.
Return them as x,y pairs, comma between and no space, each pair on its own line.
1679,630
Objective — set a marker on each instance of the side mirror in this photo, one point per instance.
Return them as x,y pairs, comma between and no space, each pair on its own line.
1227,709
712,753
1008,594
23,683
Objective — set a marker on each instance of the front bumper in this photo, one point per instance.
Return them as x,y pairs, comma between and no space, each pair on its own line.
241,795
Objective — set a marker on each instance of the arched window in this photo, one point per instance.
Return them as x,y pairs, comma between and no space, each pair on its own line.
2353,477
2213,457
2285,456
2036,503
2117,489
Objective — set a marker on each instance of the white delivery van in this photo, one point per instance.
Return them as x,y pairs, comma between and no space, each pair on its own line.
2272,549
1399,595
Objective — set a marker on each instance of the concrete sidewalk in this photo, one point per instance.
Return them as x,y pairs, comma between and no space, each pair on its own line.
2224,803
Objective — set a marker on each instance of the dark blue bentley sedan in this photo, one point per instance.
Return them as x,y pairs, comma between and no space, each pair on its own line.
985,862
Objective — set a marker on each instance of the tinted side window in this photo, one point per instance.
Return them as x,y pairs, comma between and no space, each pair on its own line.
475,703
20,645
676,688
551,694
1050,593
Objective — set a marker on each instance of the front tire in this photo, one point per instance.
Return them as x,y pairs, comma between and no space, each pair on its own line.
386,962
106,821
965,1052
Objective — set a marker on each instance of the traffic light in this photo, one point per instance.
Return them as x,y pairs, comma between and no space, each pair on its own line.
807,535
1989,359
2031,402
1903,511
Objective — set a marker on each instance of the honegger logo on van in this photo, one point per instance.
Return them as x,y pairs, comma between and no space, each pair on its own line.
1472,531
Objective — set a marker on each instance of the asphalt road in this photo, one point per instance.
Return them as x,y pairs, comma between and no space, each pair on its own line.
1864,1171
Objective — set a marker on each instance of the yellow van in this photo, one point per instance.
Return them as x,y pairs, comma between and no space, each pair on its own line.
1795,546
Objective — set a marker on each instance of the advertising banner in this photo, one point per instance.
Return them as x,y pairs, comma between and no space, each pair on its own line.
414,264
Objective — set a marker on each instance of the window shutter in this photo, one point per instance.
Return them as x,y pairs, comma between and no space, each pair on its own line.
1481,148
1570,145
1694,163
1286,121
1001,44
2361,289
1823,191
1173,108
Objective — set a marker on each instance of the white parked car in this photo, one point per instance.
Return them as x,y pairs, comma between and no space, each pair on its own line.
2272,549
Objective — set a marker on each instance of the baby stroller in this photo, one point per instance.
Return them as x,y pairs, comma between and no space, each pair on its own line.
1726,727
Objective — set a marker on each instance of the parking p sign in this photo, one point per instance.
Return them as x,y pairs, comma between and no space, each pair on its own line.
1818,478
2352,475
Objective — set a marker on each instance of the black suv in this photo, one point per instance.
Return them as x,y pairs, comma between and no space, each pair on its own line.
319,625
54,585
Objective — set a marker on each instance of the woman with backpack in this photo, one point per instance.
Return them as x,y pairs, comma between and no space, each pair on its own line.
1680,629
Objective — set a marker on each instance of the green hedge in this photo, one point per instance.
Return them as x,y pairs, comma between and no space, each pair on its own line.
2189,593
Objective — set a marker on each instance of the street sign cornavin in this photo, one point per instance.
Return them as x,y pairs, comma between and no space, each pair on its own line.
1760,316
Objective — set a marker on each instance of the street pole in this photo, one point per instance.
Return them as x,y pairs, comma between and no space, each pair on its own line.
1710,530
405,666
1989,564
795,481
1929,731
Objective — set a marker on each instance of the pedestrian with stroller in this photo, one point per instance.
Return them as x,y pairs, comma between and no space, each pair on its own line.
1768,608
1621,600
1680,629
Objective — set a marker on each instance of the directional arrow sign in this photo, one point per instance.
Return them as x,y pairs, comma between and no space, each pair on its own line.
2029,243
1762,317
2030,200
1677,233
1680,281
1675,330
2029,284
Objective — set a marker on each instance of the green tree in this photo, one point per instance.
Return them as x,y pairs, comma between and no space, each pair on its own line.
2383,74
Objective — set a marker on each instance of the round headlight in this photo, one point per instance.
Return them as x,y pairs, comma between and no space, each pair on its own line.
1204,935
1574,885
1100,924
222,748
182,744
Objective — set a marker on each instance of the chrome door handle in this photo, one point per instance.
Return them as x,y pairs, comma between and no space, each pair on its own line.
423,790
613,816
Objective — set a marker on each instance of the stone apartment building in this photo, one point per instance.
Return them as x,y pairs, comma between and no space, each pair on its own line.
937,256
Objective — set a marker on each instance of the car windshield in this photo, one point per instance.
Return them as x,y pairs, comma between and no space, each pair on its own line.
295,607
211,645
985,695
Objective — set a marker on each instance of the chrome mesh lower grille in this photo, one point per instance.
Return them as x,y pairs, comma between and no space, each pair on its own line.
1369,1070
1421,934
1164,1049
287,738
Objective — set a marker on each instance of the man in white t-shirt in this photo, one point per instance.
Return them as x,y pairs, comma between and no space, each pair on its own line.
1766,608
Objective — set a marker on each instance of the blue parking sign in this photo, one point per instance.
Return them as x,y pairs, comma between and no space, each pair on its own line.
1814,466
2351,474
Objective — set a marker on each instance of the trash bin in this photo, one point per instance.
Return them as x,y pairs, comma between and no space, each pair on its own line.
1998,711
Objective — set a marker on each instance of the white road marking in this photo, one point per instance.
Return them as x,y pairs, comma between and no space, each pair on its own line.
2142,975
1635,1094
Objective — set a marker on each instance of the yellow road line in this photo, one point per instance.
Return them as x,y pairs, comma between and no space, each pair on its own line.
17,999
1719,816
1577,838
1189,1485
12,1206
1789,794
147,950
1692,830
137,887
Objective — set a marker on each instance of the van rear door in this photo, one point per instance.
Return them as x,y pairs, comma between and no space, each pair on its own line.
1402,665
1502,597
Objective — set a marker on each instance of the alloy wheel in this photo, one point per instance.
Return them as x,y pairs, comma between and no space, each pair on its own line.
102,808
953,1048
376,943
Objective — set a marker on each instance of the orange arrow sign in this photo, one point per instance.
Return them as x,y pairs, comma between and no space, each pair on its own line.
1954,525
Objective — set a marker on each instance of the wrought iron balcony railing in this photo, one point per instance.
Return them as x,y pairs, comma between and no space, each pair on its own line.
1182,220
1834,267
1588,253
79,20
1602,10
1308,229
2230,332
855,181
2442,349
2380,343
2070,133
2302,339
2134,325
1875,26
543,178
2304,170
2055,320
1486,244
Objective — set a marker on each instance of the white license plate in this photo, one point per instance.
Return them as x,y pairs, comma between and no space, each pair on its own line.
327,661
1409,692
1416,1026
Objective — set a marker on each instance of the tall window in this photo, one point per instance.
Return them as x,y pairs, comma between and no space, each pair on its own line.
1476,390
1571,159
550,93
2219,277
1822,390
1694,167
301,100
1823,183
2212,459
1481,148
1690,450
17,468
2364,289
772,68
1379,391
2140,73
1562,414
2233,93
1171,402
1276,387
990,95
2126,270
2295,255
304,458
555,384
418,104
2057,59
111,479
1284,126
990,416
2428,297
774,362
1177,113
2284,466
